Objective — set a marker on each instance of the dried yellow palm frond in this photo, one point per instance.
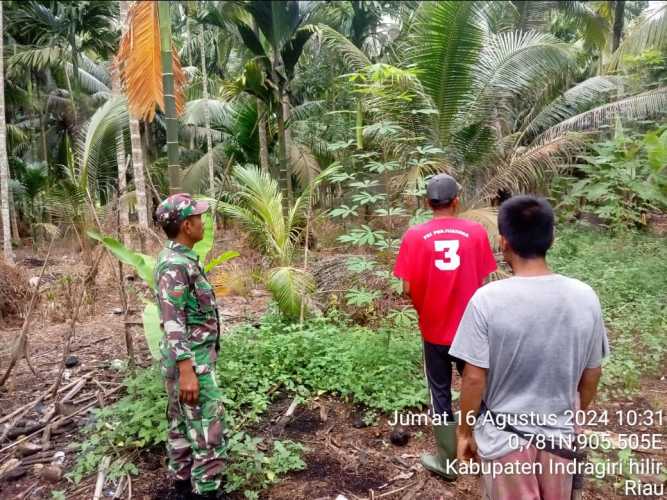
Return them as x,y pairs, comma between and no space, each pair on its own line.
140,65
487,217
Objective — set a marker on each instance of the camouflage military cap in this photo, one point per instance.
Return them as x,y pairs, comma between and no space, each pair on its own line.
178,207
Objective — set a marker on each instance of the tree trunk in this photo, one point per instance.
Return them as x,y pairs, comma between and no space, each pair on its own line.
169,98
619,18
263,139
123,211
75,65
14,219
286,116
285,179
207,117
4,163
135,143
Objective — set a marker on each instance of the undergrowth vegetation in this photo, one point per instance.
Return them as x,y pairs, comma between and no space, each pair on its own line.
379,369
629,273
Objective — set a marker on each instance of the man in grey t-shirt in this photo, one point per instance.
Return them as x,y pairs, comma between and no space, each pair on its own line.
533,345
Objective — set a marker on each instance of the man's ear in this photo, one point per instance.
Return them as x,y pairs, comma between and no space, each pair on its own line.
456,202
504,245
186,227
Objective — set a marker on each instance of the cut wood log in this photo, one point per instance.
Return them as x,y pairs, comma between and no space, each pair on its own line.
73,391
101,477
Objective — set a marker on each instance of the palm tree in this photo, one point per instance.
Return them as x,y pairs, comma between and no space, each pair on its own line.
152,74
77,27
268,76
135,144
649,30
619,18
257,206
4,164
500,103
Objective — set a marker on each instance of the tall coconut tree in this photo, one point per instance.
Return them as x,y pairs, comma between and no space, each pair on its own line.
135,144
207,115
152,74
4,164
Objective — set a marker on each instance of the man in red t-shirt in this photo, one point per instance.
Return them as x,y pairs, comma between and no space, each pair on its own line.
442,263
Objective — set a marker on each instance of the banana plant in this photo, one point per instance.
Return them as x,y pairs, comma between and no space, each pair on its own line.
145,266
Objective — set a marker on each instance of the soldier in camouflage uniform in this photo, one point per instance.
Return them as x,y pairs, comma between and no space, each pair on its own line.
189,349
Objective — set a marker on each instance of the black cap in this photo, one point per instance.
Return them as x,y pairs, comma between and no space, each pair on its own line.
442,188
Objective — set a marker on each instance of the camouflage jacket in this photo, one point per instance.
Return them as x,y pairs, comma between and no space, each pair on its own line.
188,312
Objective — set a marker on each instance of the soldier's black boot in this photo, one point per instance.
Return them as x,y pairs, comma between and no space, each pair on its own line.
210,495
182,489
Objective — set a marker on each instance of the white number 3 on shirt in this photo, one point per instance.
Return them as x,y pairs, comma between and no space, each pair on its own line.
452,259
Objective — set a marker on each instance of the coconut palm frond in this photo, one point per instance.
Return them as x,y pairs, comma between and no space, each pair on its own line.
333,40
447,40
259,209
639,106
487,217
511,65
528,167
96,143
649,31
195,176
89,82
290,287
36,59
593,26
141,66
573,101
220,112
304,111
303,163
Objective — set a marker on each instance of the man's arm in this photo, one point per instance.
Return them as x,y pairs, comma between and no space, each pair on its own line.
588,386
406,289
472,391
174,292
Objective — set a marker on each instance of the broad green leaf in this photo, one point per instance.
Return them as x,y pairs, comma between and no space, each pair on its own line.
144,264
203,247
220,259
152,330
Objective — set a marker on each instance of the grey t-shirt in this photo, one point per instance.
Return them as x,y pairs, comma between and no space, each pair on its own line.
535,335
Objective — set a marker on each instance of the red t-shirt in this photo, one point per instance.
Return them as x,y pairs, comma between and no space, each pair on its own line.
445,261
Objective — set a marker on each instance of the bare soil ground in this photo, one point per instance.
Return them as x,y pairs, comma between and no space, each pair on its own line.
356,462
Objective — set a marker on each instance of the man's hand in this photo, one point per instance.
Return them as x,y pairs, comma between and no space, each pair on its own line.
466,447
188,383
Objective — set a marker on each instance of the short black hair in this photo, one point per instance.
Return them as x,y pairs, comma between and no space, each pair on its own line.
172,228
437,204
527,223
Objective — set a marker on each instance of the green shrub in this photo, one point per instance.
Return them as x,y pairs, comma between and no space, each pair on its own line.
622,181
381,370
629,273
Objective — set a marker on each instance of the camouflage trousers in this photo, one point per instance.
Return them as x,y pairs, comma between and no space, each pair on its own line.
195,441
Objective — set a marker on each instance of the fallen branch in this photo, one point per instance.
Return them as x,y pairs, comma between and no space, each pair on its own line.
41,398
58,422
21,346
101,477
74,391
